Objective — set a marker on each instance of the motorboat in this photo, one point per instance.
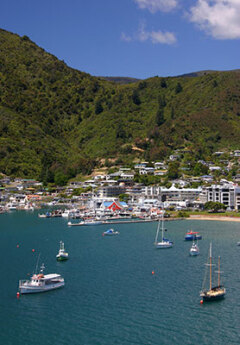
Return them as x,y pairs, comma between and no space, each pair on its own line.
110,232
194,250
87,222
62,254
192,235
41,282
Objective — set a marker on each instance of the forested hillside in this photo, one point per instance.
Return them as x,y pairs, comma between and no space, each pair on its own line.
57,121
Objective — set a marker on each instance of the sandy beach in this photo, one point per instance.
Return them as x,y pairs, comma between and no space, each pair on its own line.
218,218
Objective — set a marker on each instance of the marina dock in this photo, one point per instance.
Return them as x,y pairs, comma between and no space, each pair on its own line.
121,222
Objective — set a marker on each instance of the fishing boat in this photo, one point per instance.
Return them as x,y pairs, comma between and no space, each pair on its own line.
110,232
165,243
41,283
192,235
217,292
194,250
62,254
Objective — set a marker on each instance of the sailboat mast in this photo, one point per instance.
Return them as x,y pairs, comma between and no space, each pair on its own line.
156,238
210,264
162,225
219,271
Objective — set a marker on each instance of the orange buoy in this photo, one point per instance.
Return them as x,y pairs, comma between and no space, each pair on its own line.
153,272
201,302
18,294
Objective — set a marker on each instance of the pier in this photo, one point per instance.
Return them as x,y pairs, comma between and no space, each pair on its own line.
121,222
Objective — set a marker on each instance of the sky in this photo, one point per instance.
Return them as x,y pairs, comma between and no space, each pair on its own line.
131,38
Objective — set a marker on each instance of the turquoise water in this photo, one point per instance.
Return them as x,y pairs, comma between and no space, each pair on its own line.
111,296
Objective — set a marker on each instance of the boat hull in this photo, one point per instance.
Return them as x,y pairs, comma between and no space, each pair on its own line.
62,258
214,294
193,253
212,299
193,237
37,289
163,245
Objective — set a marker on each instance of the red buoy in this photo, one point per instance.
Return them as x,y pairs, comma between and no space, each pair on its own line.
18,294
201,302
153,272
33,250
17,245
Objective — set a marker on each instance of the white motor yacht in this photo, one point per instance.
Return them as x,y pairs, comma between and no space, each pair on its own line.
41,282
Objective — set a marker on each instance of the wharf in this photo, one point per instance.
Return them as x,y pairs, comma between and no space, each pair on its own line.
121,222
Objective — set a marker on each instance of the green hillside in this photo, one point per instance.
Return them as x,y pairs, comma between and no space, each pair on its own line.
56,122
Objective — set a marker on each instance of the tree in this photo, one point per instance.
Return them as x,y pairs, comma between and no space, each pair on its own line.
98,107
163,83
173,170
123,197
160,117
172,113
120,132
214,206
60,179
178,88
135,98
200,169
162,101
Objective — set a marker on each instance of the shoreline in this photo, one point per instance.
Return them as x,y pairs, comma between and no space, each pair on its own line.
218,218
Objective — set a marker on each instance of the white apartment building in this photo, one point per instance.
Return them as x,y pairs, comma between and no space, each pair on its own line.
227,194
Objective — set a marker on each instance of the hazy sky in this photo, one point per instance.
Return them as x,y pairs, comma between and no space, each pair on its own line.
135,38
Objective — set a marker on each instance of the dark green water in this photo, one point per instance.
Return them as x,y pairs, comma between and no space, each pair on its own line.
110,295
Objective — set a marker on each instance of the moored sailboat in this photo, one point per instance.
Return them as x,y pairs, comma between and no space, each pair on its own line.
165,243
194,250
216,292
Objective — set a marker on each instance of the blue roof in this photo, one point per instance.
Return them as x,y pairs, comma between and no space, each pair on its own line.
109,203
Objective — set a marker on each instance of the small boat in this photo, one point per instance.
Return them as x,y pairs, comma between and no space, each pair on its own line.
87,222
194,250
165,243
62,254
110,232
192,235
45,215
213,293
41,283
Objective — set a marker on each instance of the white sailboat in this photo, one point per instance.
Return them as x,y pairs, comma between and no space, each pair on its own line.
165,243
194,250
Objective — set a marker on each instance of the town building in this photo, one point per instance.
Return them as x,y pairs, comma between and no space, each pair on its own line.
227,194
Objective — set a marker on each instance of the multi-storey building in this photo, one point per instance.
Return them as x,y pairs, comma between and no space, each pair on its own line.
227,194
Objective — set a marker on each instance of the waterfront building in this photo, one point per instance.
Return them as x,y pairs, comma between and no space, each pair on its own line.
173,194
227,194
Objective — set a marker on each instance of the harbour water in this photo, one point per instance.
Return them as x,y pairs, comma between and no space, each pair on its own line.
111,296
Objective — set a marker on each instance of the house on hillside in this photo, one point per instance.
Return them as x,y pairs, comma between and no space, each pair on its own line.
146,171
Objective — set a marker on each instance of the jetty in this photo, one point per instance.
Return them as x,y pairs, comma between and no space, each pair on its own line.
120,222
